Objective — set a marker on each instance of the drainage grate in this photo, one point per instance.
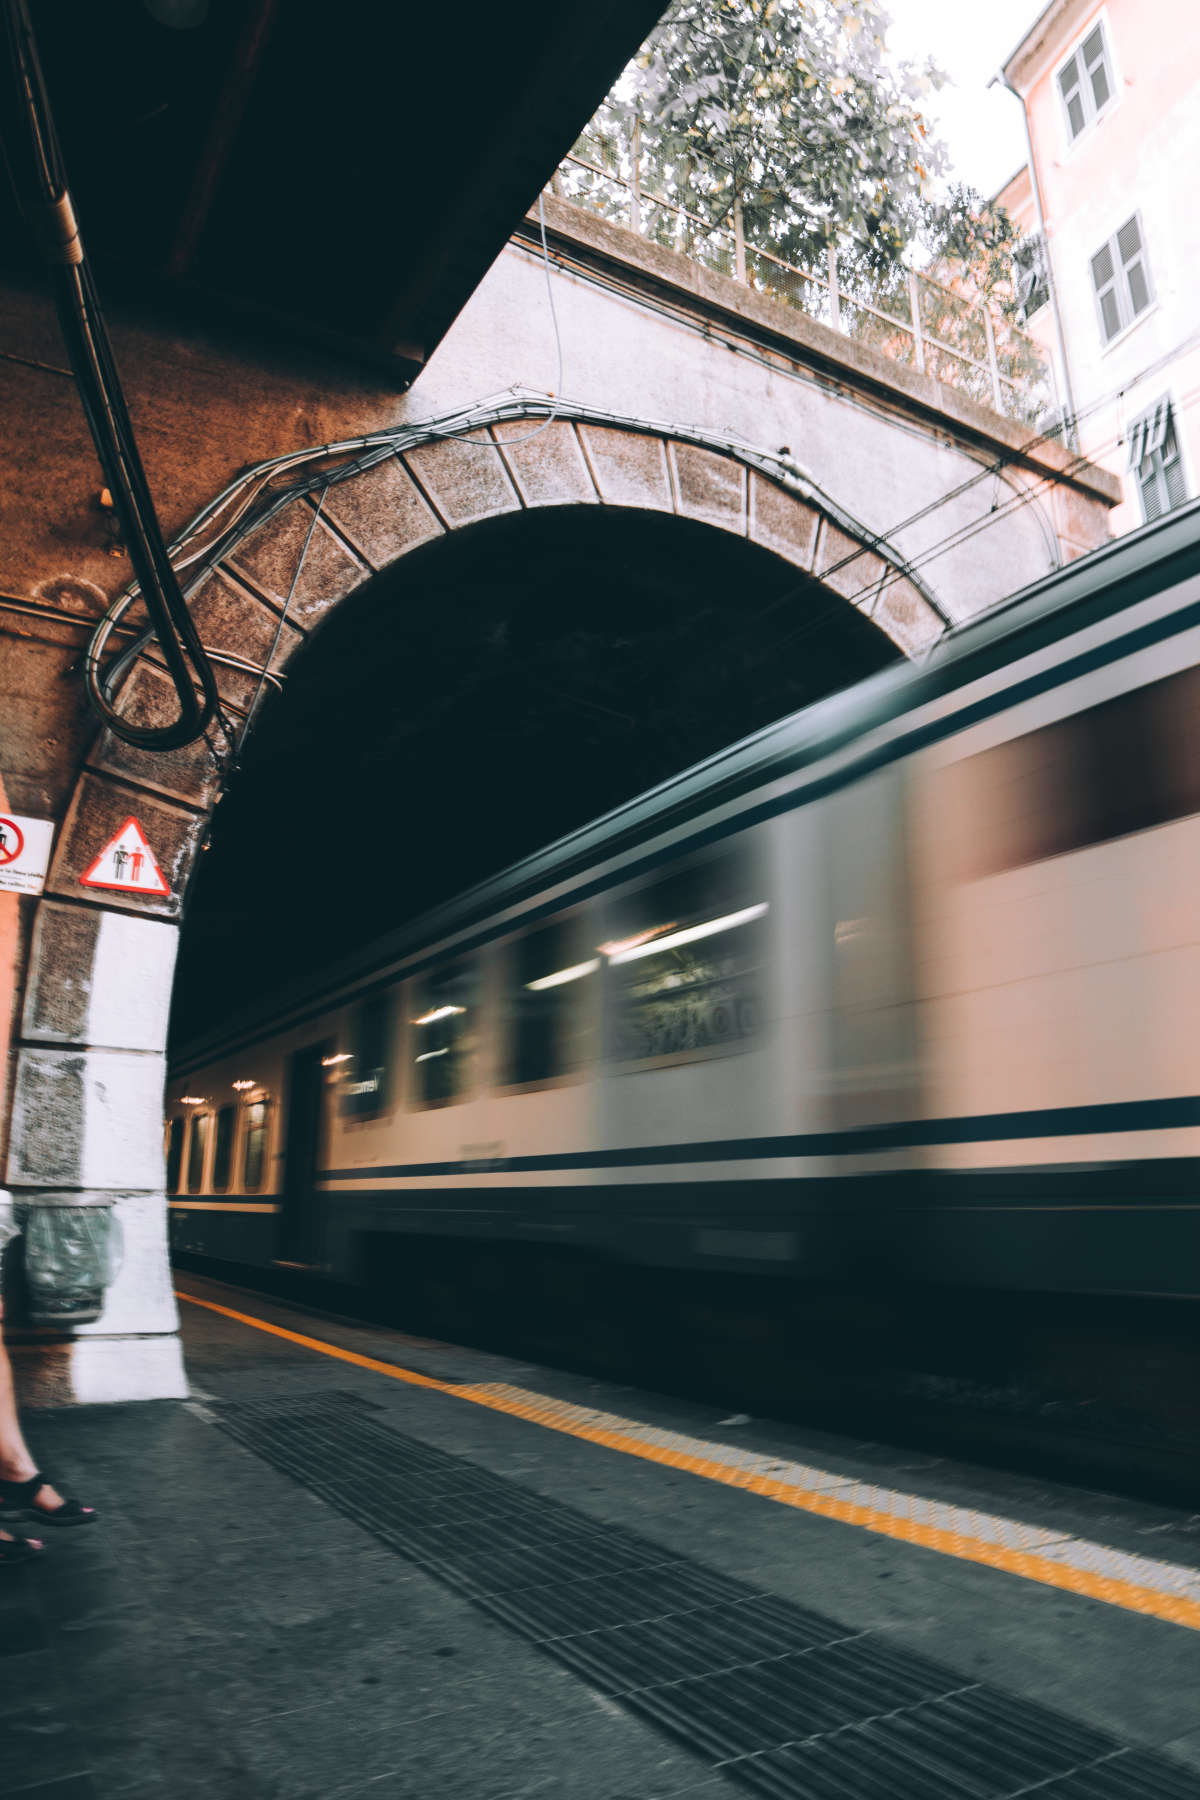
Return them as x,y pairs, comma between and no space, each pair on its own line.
790,1704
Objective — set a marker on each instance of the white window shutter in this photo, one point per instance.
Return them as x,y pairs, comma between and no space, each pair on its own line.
1070,84
1108,300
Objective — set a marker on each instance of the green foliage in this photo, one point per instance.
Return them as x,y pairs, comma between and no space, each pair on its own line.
792,112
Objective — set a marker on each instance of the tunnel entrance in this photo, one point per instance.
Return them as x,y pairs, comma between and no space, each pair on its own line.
489,692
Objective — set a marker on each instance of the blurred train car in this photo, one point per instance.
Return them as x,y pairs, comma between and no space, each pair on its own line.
903,991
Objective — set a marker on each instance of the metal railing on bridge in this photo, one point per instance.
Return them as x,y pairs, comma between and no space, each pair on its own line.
898,311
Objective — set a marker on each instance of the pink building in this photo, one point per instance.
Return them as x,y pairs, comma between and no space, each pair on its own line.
1112,103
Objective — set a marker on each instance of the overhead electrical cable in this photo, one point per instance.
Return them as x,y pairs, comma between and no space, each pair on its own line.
38,172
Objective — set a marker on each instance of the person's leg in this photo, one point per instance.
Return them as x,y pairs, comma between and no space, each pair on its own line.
10,1430
16,1462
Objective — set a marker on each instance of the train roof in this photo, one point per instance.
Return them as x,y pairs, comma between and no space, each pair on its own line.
1115,576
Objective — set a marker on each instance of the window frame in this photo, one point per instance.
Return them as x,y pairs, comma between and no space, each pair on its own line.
749,864
1146,427
1092,114
229,1110
580,926
1118,282
421,996
200,1186
367,1109
262,1099
180,1120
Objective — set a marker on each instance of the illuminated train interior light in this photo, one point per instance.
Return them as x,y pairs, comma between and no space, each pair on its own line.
438,1012
562,975
342,1056
690,934
617,945
428,1055
239,1087
191,1099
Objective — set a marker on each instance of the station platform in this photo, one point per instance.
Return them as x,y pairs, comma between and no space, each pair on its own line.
370,1566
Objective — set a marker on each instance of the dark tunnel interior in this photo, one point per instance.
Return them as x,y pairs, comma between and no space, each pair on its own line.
495,689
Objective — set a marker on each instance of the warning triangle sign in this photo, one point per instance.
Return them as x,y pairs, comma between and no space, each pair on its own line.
127,864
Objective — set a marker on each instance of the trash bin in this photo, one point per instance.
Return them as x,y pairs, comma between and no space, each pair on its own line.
72,1252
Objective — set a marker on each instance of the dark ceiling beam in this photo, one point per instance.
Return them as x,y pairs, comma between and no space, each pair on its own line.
228,113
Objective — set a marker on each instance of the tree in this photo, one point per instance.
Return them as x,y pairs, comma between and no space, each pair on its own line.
789,116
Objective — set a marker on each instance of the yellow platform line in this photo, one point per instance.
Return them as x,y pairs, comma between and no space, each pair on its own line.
563,1416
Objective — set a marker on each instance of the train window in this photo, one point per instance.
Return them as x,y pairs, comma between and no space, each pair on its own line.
549,1002
174,1154
683,960
197,1151
365,1084
443,1036
254,1150
223,1148
1116,768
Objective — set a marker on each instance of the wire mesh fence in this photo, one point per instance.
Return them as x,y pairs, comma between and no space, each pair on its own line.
899,312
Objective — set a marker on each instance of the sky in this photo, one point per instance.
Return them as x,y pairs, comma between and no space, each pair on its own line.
981,127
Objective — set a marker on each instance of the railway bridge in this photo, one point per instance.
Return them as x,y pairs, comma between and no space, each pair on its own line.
581,377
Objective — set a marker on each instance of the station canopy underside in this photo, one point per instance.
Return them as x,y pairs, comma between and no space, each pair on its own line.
349,174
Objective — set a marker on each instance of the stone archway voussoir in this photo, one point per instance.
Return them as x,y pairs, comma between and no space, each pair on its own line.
463,478
782,522
269,557
189,774
382,513
546,463
903,612
710,487
629,467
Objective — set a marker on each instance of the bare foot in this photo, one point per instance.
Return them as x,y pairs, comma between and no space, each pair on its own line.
6,1537
48,1500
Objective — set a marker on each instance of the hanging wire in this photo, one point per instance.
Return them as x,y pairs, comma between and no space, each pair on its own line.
40,179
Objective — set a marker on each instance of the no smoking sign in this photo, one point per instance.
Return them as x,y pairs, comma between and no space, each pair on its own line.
24,853
12,841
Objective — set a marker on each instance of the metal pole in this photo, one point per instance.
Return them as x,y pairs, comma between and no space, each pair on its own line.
914,301
739,242
635,179
993,364
835,297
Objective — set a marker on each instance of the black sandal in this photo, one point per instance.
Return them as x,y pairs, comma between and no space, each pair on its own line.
20,1549
18,1497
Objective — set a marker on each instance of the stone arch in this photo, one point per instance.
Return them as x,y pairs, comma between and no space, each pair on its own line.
87,1118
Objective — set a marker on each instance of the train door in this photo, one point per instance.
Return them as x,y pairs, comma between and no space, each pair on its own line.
300,1234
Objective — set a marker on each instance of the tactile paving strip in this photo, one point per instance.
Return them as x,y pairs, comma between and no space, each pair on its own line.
1052,1558
787,1702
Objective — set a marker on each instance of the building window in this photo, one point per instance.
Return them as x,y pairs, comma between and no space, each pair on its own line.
1032,276
198,1151
442,1038
1155,462
365,1085
1121,279
223,1149
254,1152
1085,83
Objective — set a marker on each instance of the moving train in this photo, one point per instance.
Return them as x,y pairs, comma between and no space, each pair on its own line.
901,991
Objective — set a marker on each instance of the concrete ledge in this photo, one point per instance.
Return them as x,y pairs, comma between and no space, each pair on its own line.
616,250
98,1370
